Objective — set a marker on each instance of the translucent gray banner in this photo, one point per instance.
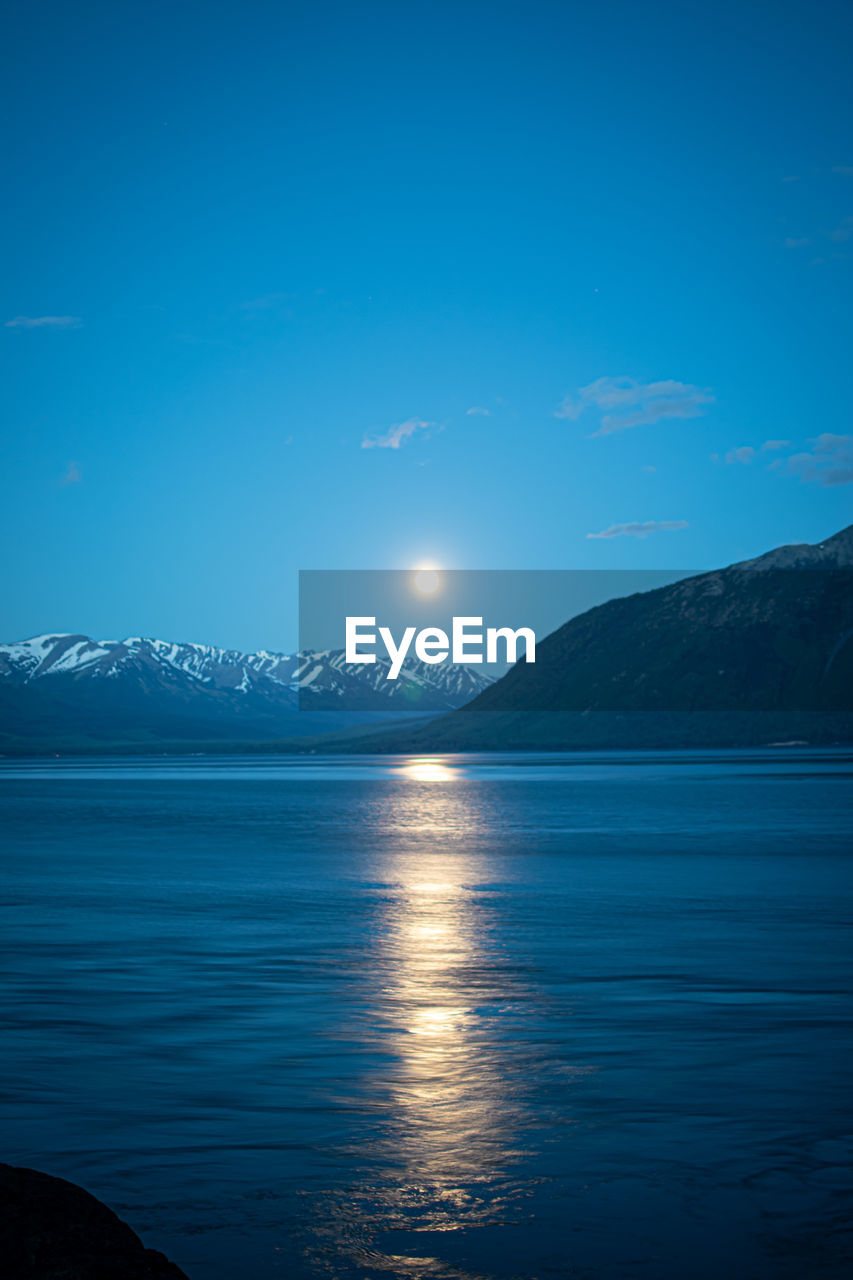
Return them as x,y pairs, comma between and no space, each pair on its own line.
428,641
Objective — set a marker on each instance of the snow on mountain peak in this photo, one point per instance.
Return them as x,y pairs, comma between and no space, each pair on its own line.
157,664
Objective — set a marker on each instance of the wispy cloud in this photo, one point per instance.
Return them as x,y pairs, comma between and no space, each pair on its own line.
843,231
829,462
396,435
744,454
72,475
477,411
44,322
846,170
837,234
640,529
623,402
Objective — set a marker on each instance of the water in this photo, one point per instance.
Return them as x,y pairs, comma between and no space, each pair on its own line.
500,1017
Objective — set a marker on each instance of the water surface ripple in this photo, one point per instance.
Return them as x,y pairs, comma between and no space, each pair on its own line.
472,1017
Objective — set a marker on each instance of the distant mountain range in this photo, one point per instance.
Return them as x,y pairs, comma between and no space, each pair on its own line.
70,689
759,652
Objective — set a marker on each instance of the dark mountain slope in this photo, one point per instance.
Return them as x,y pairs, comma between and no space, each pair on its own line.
751,637
761,651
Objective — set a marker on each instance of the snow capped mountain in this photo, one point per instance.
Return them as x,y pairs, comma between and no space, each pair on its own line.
190,690
327,677
53,655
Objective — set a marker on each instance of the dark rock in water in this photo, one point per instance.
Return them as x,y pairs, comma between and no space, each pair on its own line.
51,1229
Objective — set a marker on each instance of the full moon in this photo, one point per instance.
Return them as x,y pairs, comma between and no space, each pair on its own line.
426,581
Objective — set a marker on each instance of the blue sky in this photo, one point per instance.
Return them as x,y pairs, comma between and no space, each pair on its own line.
338,286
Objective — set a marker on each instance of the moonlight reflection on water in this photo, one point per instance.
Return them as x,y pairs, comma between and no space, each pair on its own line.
449,1101
425,770
439,1019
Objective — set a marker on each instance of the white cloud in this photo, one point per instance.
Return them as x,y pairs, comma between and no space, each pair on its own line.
623,402
797,242
637,529
744,454
72,475
44,322
476,411
649,469
775,444
396,434
845,169
828,463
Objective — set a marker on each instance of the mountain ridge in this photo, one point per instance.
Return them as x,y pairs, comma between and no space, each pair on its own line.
760,651
66,684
